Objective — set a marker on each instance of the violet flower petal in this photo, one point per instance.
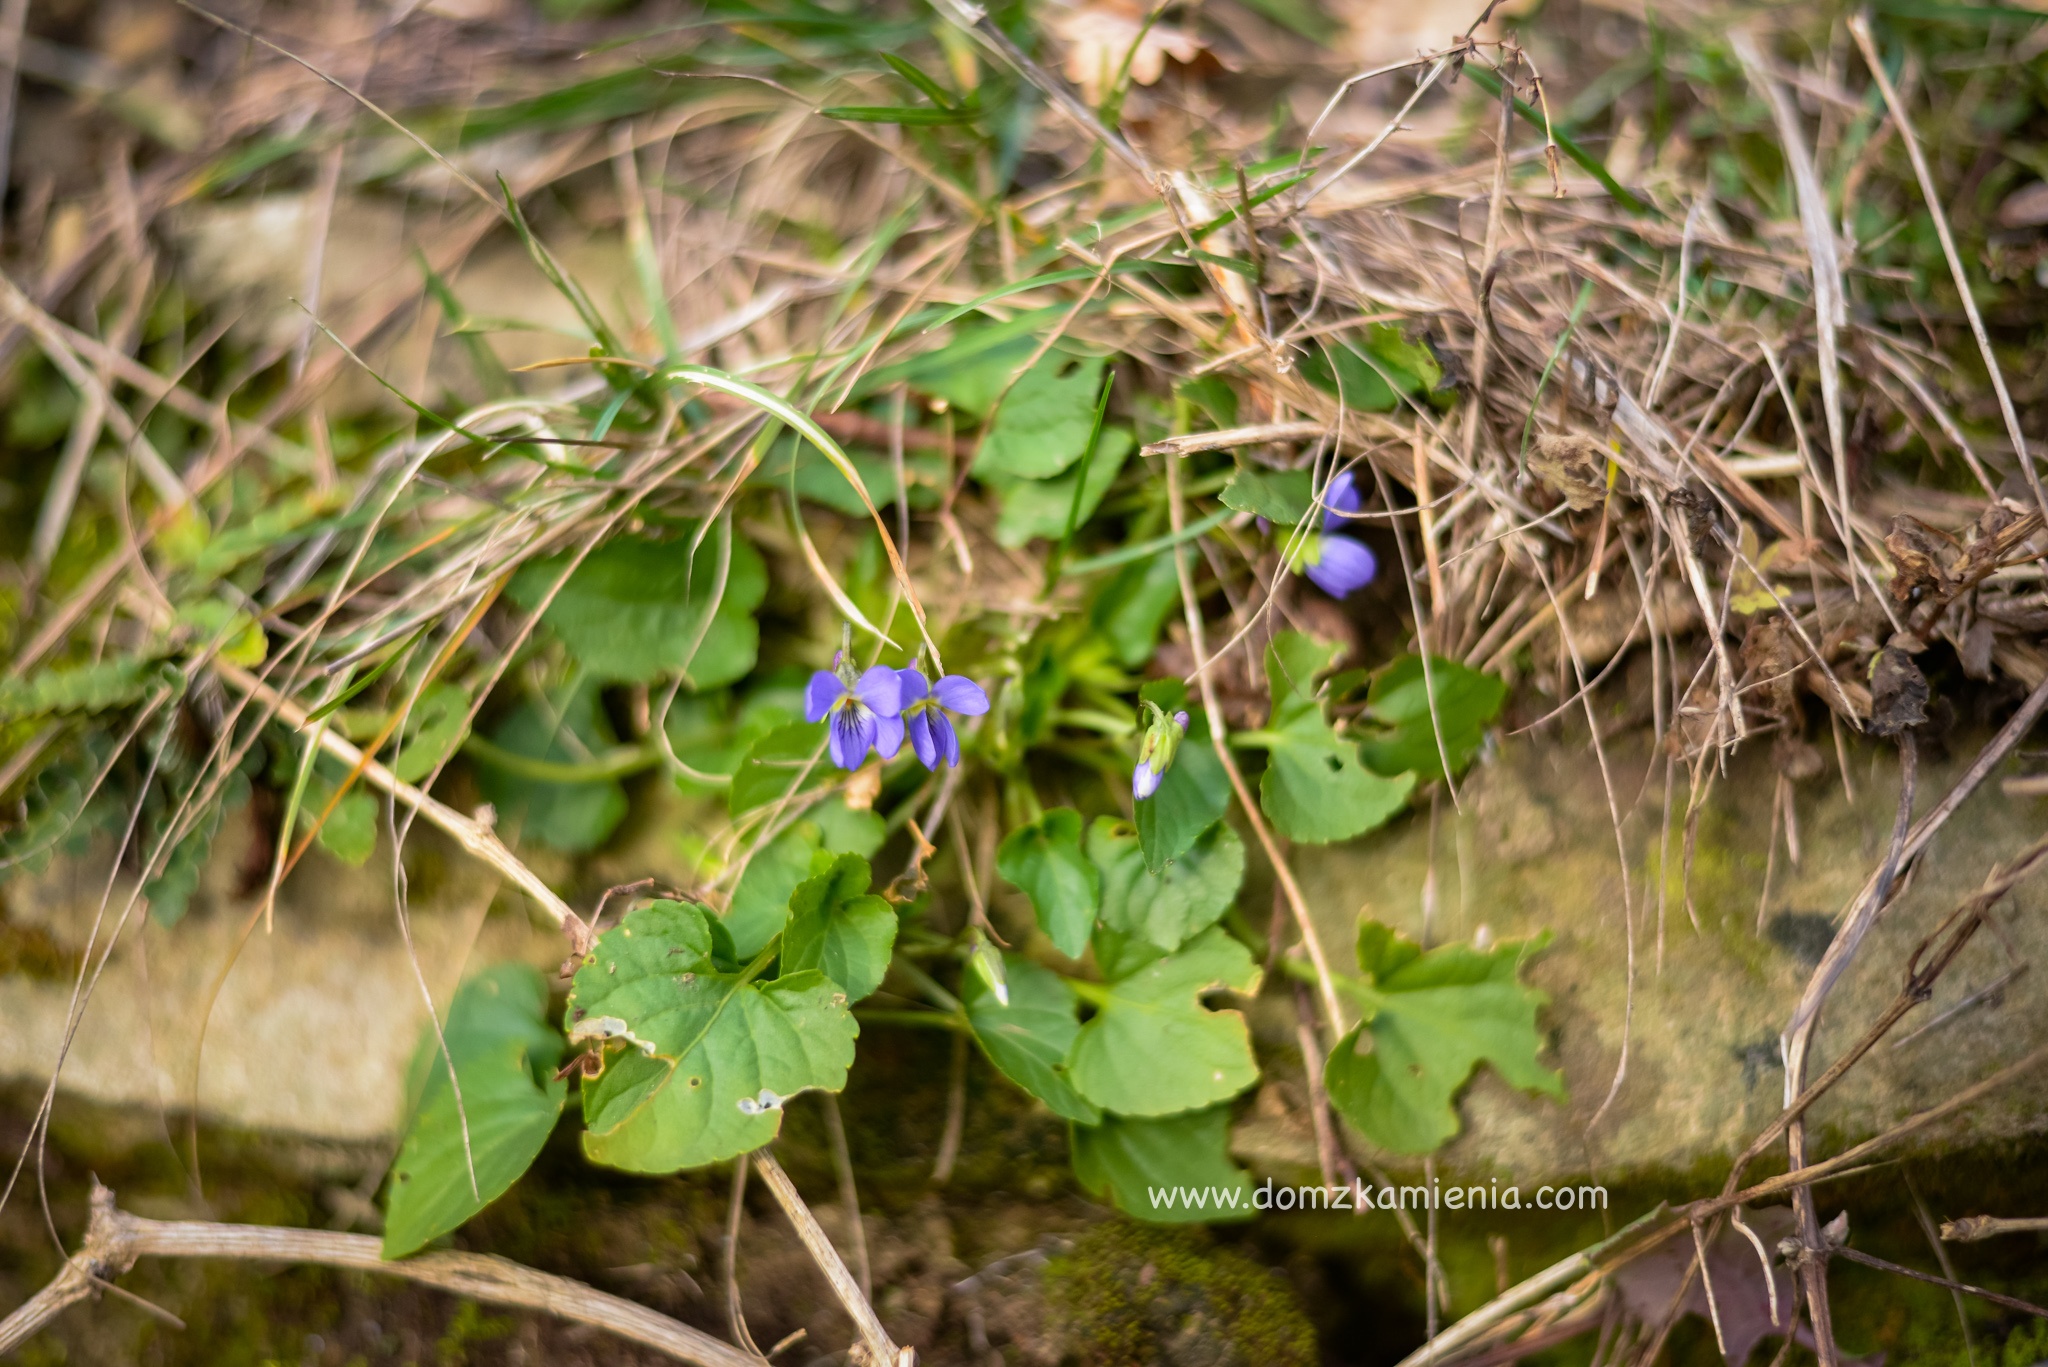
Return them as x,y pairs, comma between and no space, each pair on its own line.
823,690
919,726
915,689
1144,782
853,731
958,693
881,689
888,736
1339,498
1343,567
948,739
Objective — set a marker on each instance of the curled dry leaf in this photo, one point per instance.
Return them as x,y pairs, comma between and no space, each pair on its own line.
1573,464
1922,557
1098,35
1898,693
1771,655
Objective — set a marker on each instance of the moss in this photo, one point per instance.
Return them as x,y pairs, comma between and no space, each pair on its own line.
1131,1295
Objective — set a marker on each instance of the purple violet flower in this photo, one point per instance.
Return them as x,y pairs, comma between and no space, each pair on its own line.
1338,565
925,706
1156,751
863,711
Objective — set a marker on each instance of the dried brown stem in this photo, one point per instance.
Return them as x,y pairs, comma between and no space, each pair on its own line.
882,1351
115,1239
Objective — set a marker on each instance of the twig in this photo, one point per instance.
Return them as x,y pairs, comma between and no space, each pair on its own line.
475,837
849,1194
1971,1228
1962,1288
881,1349
1218,736
115,1239
1501,1308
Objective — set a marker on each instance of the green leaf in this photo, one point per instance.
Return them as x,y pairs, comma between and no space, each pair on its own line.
1046,861
1439,1015
170,892
1028,1040
761,901
909,115
637,610
970,371
261,533
1152,1048
819,481
837,927
1315,788
505,1055
1133,605
438,722
1467,701
1372,376
1213,395
699,1061
572,817
1195,793
1044,421
788,760
237,634
1039,507
1131,1160
1166,908
86,688
350,833
1279,496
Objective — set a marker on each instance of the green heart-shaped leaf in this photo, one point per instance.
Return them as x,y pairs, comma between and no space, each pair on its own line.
505,1055
1153,1048
699,1061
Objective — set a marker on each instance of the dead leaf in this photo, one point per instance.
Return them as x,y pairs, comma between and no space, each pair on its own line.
1573,464
1921,556
1099,34
863,788
1771,655
1898,693
1976,648
2026,207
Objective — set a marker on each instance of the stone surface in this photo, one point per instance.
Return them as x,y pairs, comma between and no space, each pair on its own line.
1534,849
314,1020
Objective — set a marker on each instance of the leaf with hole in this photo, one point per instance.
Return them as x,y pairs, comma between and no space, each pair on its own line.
505,1054
706,1057
1153,1048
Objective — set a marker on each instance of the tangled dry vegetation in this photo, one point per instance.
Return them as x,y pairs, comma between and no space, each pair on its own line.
1668,395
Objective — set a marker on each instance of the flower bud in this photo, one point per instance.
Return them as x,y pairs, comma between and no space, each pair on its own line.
1163,735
